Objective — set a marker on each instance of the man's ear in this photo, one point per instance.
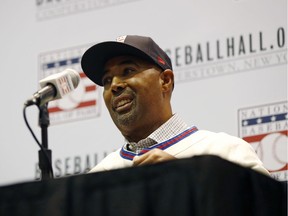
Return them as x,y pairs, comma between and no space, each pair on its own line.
167,80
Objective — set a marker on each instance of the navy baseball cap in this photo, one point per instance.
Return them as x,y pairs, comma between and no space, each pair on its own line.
94,59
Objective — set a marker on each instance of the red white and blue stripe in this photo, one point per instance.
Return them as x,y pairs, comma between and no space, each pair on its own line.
164,145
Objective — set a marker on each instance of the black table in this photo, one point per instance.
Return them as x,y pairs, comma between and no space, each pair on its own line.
200,186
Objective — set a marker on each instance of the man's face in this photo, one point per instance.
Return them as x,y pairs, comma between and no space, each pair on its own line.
133,95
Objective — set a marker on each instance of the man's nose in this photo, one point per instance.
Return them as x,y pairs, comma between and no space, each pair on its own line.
118,84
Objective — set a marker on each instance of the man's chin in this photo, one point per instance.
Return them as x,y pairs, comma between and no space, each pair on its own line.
125,119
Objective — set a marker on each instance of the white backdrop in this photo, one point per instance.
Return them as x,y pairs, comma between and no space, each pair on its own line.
230,64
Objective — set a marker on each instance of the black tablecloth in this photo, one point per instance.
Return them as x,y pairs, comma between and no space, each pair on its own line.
200,186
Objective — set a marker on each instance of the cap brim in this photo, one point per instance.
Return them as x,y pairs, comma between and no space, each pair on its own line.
94,59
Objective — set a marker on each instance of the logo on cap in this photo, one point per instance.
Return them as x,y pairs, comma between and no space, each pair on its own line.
160,60
121,38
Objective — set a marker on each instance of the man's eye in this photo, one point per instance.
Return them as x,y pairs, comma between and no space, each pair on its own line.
128,71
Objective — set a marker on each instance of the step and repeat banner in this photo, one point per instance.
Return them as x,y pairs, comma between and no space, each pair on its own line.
230,66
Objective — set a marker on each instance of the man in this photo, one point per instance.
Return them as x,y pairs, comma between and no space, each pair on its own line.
138,81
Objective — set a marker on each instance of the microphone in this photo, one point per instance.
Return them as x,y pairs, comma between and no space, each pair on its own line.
55,87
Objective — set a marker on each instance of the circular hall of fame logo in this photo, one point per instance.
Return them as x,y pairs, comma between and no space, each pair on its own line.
266,129
83,102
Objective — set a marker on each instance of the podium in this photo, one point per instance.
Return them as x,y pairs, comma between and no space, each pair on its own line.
197,186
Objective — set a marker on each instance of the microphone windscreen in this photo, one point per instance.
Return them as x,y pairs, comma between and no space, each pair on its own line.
75,77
